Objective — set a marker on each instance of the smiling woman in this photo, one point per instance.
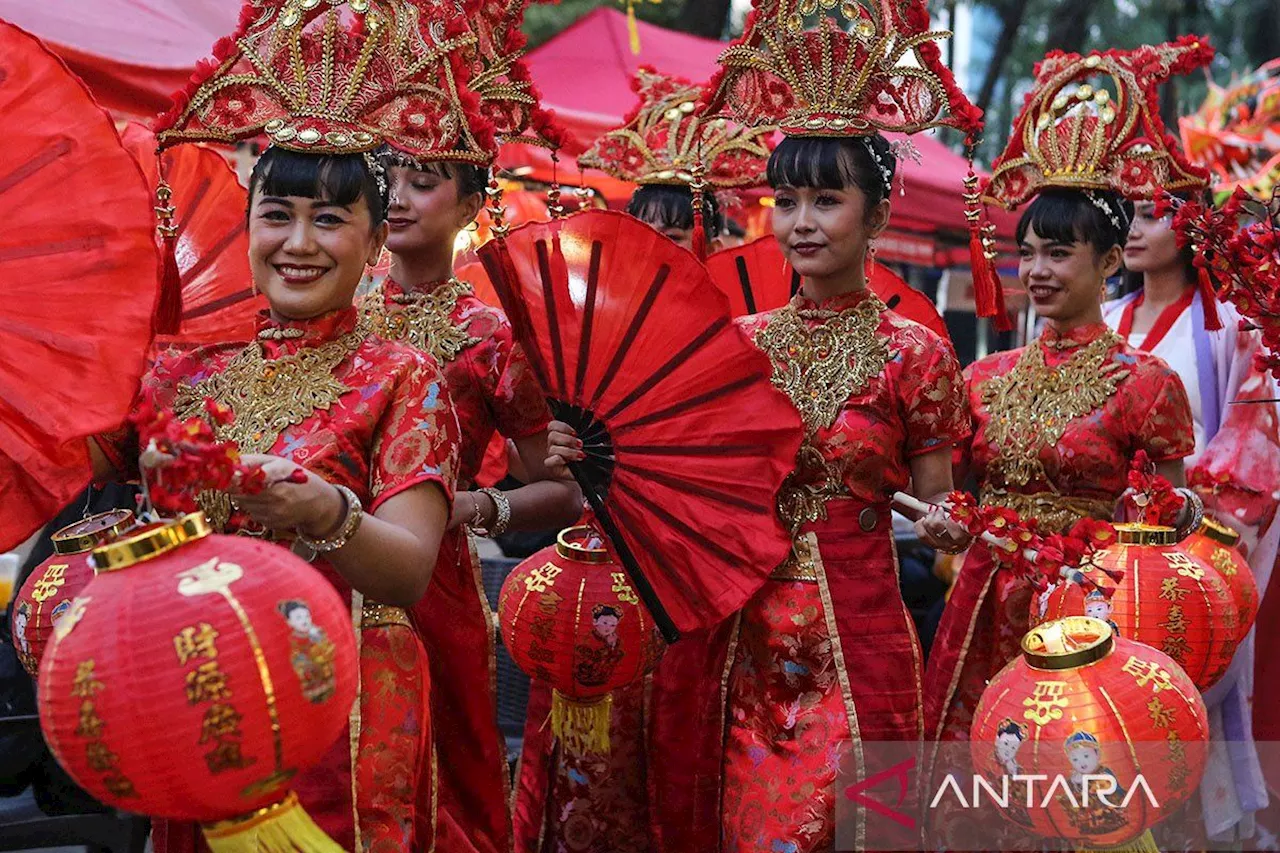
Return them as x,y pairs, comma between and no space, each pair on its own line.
313,227
1056,423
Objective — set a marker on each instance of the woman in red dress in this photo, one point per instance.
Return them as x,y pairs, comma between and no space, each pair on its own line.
365,423
437,190
1056,423
756,723
493,391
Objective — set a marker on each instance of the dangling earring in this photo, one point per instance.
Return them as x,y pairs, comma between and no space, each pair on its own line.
869,261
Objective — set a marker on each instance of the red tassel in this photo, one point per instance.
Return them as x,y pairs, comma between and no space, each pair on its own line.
697,189
1209,299
699,233
988,294
168,317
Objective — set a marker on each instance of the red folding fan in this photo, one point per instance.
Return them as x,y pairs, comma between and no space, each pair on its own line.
756,277
79,276
218,302
687,441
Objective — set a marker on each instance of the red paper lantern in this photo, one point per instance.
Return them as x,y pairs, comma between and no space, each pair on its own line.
47,593
195,676
1217,545
1168,599
1088,710
571,618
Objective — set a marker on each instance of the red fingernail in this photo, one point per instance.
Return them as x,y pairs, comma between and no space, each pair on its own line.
298,477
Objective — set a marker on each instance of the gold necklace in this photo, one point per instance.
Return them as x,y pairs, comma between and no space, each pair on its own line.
267,396
1031,405
423,319
821,367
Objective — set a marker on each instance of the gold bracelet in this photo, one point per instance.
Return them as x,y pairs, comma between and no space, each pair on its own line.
350,524
502,518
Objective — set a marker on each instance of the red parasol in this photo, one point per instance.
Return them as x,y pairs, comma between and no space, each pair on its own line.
687,441
218,302
78,282
756,277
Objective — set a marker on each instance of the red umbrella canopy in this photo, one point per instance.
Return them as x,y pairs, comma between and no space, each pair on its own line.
756,277
218,300
79,275
687,440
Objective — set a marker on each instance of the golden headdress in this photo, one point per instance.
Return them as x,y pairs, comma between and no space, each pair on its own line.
663,140
884,72
1093,123
340,77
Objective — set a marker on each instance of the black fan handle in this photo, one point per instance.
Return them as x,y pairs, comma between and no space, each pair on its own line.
647,594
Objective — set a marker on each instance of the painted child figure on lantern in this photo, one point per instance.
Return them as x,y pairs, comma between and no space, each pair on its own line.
355,435
600,652
1010,736
1098,606
312,651
1091,807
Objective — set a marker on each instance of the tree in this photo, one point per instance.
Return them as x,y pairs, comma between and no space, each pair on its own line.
1069,26
1011,14
707,18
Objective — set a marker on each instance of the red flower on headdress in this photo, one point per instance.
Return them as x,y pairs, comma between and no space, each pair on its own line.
419,114
1137,175
232,105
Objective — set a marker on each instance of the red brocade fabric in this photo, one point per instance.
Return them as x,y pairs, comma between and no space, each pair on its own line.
987,613
394,429
585,803
915,405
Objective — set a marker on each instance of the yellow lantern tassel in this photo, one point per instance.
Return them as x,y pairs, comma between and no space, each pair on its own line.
1144,843
281,828
582,727
632,30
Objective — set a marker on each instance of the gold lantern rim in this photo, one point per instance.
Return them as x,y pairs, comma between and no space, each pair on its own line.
1213,529
1054,645
93,531
576,550
1133,533
150,543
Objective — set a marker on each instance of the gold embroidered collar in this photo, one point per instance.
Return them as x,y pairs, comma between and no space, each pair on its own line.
422,318
268,395
1031,406
820,366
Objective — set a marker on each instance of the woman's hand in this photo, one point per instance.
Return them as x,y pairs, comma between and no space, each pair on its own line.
313,507
938,531
563,447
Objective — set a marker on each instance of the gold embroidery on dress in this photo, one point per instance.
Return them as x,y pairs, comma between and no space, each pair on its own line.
267,396
1031,405
1053,512
423,319
821,367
